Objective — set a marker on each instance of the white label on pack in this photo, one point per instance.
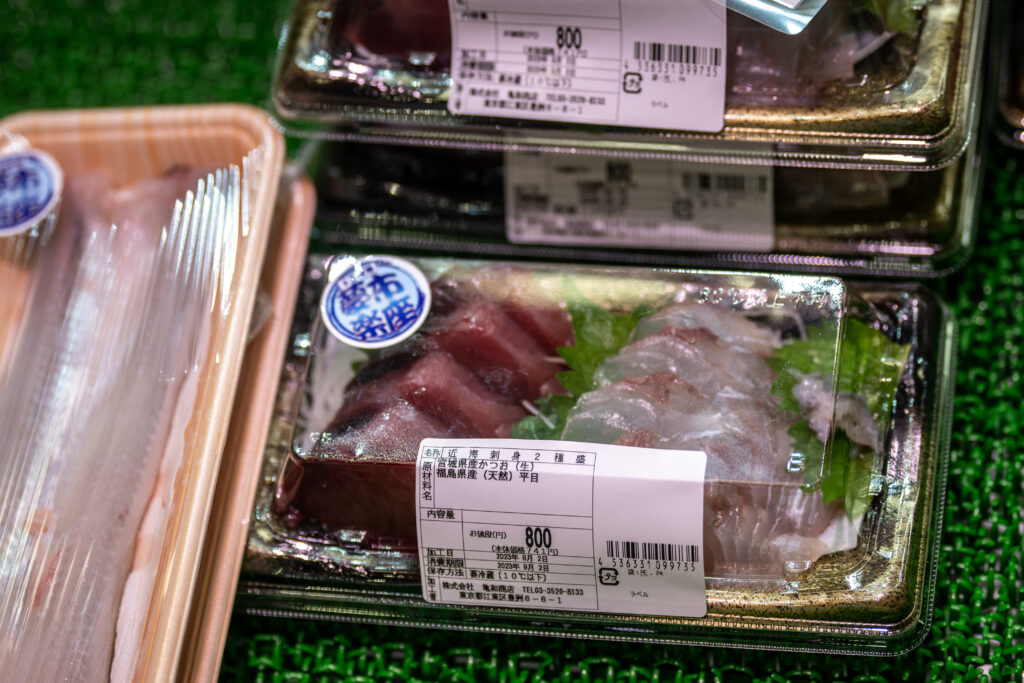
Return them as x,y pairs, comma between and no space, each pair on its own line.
641,63
640,203
561,525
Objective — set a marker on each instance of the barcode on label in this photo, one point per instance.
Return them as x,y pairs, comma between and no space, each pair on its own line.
726,183
678,54
666,552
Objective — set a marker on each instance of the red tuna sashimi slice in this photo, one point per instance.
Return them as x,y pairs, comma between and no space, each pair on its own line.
362,477
521,296
376,384
386,432
378,498
549,326
497,350
442,387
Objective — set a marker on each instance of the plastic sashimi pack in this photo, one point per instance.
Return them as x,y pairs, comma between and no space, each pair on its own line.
880,85
119,368
1008,62
585,208
821,408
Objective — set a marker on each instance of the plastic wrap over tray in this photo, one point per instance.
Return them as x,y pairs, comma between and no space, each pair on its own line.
879,85
119,362
587,208
820,406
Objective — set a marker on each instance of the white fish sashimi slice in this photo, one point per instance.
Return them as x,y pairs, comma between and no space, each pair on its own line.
762,528
695,355
686,388
606,414
662,411
852,414
734,329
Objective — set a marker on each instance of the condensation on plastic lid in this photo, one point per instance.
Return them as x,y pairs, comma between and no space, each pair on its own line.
31,182
375,302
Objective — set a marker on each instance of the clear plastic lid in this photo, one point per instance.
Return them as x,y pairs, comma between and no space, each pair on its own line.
641,211
807,397
1008,62
122,325
860,86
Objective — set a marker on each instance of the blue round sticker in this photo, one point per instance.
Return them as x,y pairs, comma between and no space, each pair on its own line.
30,186
376,302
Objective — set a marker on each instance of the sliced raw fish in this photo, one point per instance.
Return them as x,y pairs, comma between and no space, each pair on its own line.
852,414
440,386
495,349
116,330
754,528
391,433
734,329
684,388
465,374
696,355
521,297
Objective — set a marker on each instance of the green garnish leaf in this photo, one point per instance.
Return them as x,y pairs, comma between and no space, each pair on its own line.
859,468
870,366
848,476
897,15
599,334
807,356
551,421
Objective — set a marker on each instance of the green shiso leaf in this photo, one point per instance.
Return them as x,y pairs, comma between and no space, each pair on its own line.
549,423
897,15
599,334
870,366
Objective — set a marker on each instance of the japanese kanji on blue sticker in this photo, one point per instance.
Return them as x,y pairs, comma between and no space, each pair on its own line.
29,186
377,301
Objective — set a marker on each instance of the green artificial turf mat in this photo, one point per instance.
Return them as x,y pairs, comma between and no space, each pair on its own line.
128,52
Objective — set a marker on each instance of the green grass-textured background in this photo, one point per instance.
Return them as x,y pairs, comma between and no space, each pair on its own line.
83,53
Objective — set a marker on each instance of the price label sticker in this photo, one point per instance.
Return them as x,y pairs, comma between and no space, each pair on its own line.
561,525
638,63
576,200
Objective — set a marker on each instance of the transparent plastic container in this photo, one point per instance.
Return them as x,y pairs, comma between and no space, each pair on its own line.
886,94
824,405
1008,58
435,200
122,332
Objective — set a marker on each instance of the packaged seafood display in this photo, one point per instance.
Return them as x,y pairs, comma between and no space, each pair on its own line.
582,207
122,360
1008,57
880,85
815,411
